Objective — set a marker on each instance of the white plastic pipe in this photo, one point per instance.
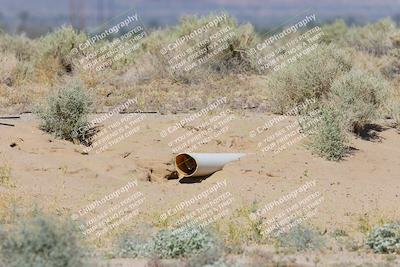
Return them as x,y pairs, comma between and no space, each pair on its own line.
202,164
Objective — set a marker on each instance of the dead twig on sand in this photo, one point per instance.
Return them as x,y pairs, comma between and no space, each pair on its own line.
7,124
8,118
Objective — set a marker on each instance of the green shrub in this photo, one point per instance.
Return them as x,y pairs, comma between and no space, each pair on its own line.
132,246
301,238
173,244
65,113
310,77
395,113
385,239
168,244
41,242
357,97
376,38
329,139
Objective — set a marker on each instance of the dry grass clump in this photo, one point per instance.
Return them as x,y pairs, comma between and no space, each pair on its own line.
8,207
5,175
8,66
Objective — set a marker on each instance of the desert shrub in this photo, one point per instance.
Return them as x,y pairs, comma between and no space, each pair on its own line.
213,256
385,238
334,31
391,69
54,55
329,138
16,55
8,65
23,73
357,97
65,112
132,246
41,242
169,244
376,38
310,77
21,46
231,59
395,112
301,238
173,244
235,58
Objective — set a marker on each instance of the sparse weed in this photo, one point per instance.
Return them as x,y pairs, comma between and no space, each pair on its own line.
339,233
9,211
364,225
5,175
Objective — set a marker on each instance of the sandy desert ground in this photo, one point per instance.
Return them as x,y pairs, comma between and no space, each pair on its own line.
59,177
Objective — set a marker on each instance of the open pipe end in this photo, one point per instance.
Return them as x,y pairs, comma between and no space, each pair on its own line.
186,166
